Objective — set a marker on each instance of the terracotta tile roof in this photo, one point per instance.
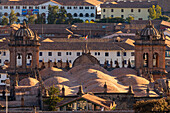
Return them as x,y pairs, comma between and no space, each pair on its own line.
92,98
128,4
80,45
61,2
25,2
165,23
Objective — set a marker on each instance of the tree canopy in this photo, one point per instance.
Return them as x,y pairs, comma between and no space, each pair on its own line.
31,18
12,17
111,20
154,105
53,98
4,20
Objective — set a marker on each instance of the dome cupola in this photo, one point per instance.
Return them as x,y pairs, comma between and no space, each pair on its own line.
24,32
150,33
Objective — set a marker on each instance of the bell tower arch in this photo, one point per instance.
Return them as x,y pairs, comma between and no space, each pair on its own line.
150,52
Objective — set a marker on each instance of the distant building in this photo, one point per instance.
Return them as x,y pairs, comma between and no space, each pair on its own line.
138,10
78,8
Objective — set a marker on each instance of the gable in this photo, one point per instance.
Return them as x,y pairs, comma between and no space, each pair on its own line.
52,3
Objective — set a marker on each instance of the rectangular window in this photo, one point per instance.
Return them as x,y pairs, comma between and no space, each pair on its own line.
98,53
0,61
66,53
106,54
49,53
95,53
132,53
70,61
11,7
81,7
92,7
69,53
30,7
104,10
131,10
36,7
17,7
4,54
103,16
124,53
24,7
112,10
112,16
115,61
86,7
125,61
78,53
139,10
40,53
59,53
5,7
75,7
122,10
122,16
40,60
43,7
0,52
118,53
2,81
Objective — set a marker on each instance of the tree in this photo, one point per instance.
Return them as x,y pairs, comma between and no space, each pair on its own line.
52,14
149,106
61,16
53,98
158,11
40,19
5,20
152,12
128,19
12,17
111,20
31,18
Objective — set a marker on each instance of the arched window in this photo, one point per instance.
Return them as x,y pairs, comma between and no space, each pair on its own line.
86,21
43,14
5,14
75,14
80,15
29,59
145,59
155,60
86,15
19,60
92,14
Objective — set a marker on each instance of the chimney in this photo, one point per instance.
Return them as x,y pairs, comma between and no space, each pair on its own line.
80,92
63,91
105,88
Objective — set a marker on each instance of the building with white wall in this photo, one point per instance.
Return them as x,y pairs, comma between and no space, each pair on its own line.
102,49
85,10
124,9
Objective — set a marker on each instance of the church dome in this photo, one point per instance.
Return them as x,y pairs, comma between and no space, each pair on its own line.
85,59
24,32
150,32
28,82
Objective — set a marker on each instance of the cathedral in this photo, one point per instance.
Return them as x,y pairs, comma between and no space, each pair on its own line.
121,86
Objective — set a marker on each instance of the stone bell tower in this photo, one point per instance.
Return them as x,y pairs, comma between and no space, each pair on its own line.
24,53
150,53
